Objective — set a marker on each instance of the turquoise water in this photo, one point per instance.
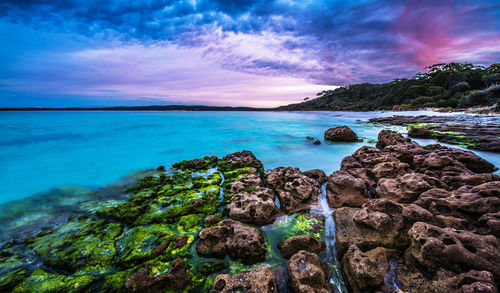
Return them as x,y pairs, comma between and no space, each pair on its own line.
43,150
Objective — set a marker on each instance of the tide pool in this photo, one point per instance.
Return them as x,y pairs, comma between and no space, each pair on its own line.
43,150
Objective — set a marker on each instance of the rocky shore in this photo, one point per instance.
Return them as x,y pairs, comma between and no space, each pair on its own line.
467,131
417,219
408,219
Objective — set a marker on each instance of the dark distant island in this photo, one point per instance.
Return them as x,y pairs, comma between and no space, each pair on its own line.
445,85
142,108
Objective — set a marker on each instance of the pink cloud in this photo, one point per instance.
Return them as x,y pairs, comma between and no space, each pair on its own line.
432,35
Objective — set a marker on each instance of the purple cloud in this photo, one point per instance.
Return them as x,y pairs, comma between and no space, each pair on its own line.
202,51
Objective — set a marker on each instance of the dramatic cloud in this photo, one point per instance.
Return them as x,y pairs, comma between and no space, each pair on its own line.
217,52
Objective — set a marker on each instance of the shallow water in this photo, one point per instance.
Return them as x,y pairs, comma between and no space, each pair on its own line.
43,150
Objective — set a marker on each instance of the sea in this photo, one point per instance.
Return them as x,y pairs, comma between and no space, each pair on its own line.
42,151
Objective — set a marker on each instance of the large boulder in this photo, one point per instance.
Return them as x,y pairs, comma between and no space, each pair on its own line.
245,183
361,271
391,169
469,282
341,133
344,189
233,238
308,273
145,281
296,191
470,205
457,250
241,159
306,242
196,164
258,280
367,157
255,207
407,188
472,161
379,223
316,174
389,137
406,152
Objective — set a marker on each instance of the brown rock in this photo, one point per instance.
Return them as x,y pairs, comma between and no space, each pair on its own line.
444,281
244,184
239,160
391,169
161,248
421,132
367,157
465,204
176,279
406,152
389,137
308,273
296,191
316,174
454,250
470,282
232,238
490,223
344,189
341,133
382,257
212,219
407,188
413,213
258,280
294,244
379,223
472,161
361,272
256,207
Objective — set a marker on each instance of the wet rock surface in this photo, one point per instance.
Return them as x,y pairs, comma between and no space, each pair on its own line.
144,241
308,273
258,280
250,201
295,190
344,189
429,224
142,281
341,133
295,244
232,238
474,132
409,218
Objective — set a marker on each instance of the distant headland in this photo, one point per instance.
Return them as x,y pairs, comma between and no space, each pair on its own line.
445,85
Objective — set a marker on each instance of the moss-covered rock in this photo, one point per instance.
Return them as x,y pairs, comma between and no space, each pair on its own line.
42,281
11,279
197,164
80,246
115,283
132,242
137,244
208,268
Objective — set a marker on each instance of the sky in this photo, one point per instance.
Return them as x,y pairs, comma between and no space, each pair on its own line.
237,53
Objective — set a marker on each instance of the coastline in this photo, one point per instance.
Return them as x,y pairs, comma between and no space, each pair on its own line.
289,229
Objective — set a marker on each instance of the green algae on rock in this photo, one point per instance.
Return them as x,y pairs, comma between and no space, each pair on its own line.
473,132
148,239
141,243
